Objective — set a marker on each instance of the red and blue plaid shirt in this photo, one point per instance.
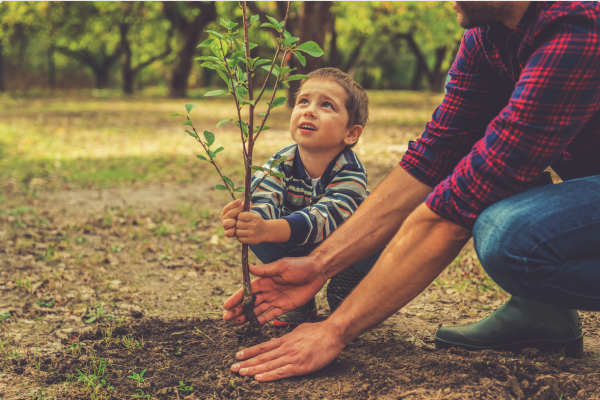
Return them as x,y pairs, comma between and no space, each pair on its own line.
517,102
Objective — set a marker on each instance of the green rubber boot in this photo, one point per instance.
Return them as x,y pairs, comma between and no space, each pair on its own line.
517,324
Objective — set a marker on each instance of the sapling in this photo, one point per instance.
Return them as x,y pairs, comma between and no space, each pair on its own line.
231,57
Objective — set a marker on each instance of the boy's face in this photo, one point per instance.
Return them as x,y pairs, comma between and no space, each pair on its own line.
320,117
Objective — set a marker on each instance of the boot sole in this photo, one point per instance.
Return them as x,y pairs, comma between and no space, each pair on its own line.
572,348
281,324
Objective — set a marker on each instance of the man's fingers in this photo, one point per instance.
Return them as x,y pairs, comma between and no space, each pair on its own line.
270,315
235,299
280,373
258,349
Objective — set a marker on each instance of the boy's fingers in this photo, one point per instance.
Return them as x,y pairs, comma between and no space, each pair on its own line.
229,223
246,216
230,232
230,207
233,213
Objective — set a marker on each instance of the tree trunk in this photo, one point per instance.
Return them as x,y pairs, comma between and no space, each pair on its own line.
51,69
312,26
436,78
334,59
128,73
417,77
1,70
101,76
190,32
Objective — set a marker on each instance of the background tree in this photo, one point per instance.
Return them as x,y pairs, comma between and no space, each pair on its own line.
190,20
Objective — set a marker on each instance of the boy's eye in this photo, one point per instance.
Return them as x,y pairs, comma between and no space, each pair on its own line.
327,105
303,101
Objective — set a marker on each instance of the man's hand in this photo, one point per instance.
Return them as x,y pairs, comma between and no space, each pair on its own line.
306,349
282,286
229,216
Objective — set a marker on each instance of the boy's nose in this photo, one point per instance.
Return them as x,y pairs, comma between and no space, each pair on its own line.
309,113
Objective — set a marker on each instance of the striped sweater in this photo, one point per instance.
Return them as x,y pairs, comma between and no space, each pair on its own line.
313,215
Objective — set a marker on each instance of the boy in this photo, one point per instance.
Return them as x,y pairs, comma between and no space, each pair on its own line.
323,185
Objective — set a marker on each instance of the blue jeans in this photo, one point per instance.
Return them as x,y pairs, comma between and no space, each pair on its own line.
544,244
271,252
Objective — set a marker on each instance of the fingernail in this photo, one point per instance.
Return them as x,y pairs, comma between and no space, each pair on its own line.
235,367
239,354
239,321
257,376
243,370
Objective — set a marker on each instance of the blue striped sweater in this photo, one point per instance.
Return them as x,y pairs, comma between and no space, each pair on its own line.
313,215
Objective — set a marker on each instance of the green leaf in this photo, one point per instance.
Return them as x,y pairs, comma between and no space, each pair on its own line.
277,161
280,25
190,107
300,58
311,48
215,47
244,128
192,134
207,58
290,40
210,137
268,68
214,93
277,102
207,42
253,45
188,122
262,62
262,114
221,123
285,70
221,187
297,77
176,115
217,34
254,18
277,174
268,25
273,20
201,157
286,34
89,321
228,24
229,181
240,92
225,78
264,128
254,167
220,149
251,102
287,85
239,189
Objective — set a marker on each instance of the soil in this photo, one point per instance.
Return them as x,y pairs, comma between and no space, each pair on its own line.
155,273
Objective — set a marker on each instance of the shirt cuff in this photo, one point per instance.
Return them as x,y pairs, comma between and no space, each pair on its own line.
299,227
447,204
420,162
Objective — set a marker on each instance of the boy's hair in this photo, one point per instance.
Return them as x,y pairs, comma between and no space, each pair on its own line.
357,103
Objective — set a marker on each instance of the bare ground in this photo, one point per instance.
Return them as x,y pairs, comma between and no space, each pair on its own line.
150,263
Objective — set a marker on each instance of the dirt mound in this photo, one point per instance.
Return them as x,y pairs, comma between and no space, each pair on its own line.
190,359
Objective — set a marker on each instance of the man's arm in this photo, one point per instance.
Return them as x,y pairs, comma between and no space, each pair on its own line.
422,248
370,228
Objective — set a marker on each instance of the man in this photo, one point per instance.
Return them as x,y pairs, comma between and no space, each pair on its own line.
523,95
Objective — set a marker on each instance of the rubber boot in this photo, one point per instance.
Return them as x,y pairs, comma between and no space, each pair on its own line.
517,324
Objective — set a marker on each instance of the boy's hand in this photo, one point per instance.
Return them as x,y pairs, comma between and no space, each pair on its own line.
229,215
251,228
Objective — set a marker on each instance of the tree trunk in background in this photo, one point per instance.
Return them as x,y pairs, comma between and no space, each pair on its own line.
1,70
189,32
128,72
436,78
334,59
417,78
51,69
313,22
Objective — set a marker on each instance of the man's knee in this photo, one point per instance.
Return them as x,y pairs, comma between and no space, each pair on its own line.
500,240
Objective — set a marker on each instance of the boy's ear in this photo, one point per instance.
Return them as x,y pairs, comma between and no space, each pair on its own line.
353,135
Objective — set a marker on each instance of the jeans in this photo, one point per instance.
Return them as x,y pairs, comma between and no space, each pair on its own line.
271,252
544,244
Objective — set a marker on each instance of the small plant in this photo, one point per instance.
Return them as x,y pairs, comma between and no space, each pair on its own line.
81,240
39,395
94,377
107,335
24,284
140,393
98,316
232,62
5,315
182,387
75,349
139,378
117,249
48,304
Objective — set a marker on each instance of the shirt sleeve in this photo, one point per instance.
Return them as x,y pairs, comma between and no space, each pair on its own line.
344,194
269,194
475,94
557,93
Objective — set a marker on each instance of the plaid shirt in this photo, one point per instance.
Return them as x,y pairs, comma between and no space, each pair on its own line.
517,102
313,214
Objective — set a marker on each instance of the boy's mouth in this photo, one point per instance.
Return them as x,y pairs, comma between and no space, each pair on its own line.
308,127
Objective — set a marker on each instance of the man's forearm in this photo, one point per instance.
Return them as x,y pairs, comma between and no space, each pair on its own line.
374,223
422,248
